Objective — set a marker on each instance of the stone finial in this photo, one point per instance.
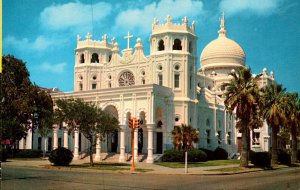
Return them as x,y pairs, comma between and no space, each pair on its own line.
138,44
88,36
193,25
185,20
113,40
169,19
155,21
116,47
272,74
78,37
104,37
265,71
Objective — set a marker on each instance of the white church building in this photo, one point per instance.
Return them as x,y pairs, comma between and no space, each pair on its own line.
164,89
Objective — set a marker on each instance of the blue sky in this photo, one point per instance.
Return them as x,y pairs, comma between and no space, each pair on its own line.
43,33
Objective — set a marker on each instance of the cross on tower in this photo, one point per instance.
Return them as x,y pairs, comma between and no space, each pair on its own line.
128,39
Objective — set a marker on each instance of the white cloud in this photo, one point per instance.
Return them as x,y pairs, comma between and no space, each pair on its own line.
39,44
64,16
258,7
53,68
140,20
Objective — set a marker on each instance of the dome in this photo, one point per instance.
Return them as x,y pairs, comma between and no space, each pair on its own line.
222,52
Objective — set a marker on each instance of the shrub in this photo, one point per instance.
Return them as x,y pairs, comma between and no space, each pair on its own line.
61,156
260,159
173,156
196,155
3,154
220,154
283,157
209,153
28,153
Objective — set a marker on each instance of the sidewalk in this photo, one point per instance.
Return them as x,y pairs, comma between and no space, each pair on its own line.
156,169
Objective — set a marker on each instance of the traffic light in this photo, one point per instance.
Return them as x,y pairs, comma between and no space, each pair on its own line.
131,123
136,123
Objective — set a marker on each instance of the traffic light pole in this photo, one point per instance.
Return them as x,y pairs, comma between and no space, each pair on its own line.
132,148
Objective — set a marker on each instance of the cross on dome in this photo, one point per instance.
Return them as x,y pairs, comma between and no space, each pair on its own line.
222,31
128,39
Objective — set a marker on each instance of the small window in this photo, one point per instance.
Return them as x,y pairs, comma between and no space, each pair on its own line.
255,138
94,77
177,118
219,137
208,136
159,67
40,143
177,67
109,84
177,45
109,76
80,77
159,124
176,81
161,45
143,81
82,58
229,138
143,73
80,86
109,57
94,86
95,58
160,79
207,122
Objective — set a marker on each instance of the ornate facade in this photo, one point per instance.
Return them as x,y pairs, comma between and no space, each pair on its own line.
164,89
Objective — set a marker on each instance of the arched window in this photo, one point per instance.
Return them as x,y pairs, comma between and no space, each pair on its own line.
95,58
176,80
143,81
160,79
80,86
161,45
207,122
109,58
190,47
109,84
177,45
81,58
94,86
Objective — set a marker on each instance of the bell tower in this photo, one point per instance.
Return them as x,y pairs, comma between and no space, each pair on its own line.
173,50
90,57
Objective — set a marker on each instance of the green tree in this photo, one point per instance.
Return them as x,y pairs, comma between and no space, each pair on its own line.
17,104
184,136
242,97
274,112
292,103
87,118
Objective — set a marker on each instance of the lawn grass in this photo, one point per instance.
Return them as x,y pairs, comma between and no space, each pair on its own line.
101,166
232,169
198,164
27,159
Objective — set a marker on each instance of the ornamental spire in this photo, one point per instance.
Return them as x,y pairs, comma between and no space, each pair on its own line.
222,31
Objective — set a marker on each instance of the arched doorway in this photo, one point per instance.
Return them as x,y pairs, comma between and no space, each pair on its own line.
159,133
112,138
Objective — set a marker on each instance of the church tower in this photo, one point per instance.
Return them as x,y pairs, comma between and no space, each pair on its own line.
90,57
173,51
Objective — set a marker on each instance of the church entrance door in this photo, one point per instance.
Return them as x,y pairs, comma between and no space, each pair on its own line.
140,140
159,142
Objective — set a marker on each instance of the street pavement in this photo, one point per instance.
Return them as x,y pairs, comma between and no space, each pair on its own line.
27,178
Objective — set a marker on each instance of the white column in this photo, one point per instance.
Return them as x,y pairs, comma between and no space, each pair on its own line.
150,144
66,136
29,140
21,144
122,144
55,137
98,148
76,144
136,145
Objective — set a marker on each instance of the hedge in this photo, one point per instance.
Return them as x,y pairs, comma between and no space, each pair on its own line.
284,157
260,159
178,156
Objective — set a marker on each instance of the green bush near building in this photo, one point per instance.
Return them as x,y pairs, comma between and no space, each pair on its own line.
260,159
61,156
194,155
3,154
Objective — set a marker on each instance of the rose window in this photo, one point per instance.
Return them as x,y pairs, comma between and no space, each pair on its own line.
126,79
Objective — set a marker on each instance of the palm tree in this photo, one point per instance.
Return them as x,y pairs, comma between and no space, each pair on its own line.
184,136
242,97
293,123
274,113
